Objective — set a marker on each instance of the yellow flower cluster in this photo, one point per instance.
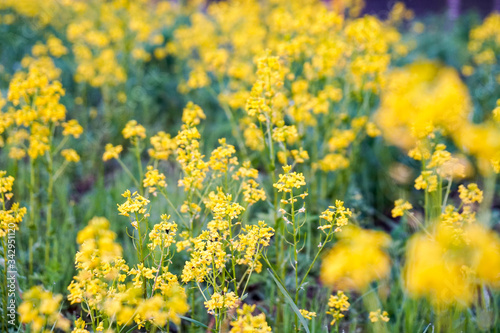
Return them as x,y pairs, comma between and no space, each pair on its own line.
289,180
224,210
135,203
133,130
470,194
188,149
448,272
338,304
484,42
101,282
163,233
222,157
251,240
401,207
163,146
337,216
111,152
246,322
227,300
307,314
103,33
9,218
41,310
357,259
433,97
154,178
35,111
375,316
70,155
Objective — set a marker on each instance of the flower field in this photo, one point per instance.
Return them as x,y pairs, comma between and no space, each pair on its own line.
247,166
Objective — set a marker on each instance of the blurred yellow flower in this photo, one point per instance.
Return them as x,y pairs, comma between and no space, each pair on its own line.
357,259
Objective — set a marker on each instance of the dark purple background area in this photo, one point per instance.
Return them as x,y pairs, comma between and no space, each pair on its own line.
422,7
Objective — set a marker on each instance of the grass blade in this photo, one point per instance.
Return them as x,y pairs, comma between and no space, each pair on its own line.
289,300
196,322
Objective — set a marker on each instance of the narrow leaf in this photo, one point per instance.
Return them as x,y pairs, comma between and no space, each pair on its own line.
289,300
196,322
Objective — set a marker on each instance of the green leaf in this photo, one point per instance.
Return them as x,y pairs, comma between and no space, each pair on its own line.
289,300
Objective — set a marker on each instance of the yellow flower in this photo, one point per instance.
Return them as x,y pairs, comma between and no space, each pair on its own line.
400,207
337,216
426,181
246,322
433,97
79,326
135,203
375,316
222,157
447,271
289,180
6,183
134,130
72,127
338,304
40,308
70,155
9,218
192,114
153,178
250,243
228,300
163,146
112,152
357,259
163,233
307,314
470,194
286,134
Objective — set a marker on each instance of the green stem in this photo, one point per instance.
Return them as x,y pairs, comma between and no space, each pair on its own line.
139,163
233,261
49,207
137,184
317,256
31,225
140,255
295,232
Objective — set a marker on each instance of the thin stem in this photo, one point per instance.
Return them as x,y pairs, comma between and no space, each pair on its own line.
295,231
445,200
32,225
137,184
49,207
137,143
317,256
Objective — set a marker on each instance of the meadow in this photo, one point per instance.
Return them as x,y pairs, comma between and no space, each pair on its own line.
247,166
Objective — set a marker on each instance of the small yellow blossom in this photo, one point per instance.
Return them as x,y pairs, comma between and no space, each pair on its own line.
134,130
153,178
426,181
307,314
73,128
135,203
70,155
470,194
357,259
375,316
228,300
400,207
337,216
112,152
40,308
338,304
246,322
